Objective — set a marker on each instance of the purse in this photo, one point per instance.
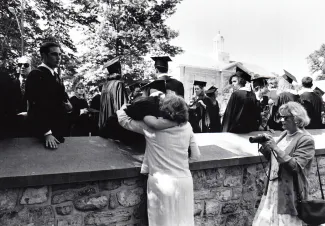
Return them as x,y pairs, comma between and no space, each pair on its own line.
310,211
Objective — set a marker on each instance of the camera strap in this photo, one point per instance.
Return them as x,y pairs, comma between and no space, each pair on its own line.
258,148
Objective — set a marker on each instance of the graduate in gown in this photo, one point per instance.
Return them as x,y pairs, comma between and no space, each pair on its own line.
112,98
214,110
199,109
242,114
172,85
285,94
312,103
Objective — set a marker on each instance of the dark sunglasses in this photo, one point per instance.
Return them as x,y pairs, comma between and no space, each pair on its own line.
284,117
25,65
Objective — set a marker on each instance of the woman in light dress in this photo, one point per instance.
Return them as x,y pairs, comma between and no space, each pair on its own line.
170,183
292,153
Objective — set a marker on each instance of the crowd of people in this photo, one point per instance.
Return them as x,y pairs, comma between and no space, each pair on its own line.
155,113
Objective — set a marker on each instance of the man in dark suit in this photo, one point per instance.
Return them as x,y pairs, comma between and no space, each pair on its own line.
47,99
172,85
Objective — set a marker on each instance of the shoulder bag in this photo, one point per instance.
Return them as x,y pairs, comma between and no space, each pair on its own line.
310,211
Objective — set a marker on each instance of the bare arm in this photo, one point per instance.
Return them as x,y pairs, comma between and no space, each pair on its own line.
195,151
130,124
158,123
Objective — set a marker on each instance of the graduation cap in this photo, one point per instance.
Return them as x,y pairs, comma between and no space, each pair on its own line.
161,61
159,85
199,83
289,77
243,74
113,66
318,90
211,90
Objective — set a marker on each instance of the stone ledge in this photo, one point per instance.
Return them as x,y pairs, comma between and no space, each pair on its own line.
25,162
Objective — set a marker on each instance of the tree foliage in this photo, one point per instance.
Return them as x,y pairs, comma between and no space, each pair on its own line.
316,60
131,29
44,20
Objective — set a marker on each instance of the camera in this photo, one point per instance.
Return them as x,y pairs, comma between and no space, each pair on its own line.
258,139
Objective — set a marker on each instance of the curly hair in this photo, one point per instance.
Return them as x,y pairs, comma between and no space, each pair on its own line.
174,108
297,111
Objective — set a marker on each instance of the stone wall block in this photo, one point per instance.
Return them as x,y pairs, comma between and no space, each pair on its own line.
109,184
236,220
212,208
224,195
34,195
229,208
94,202
205,194
130,197
60,187
232,181
198,207
8,199
249,175
237,193
321,161
75,220
108,218
133,181
86,191
198,179
65,209
63,196
234,170
113,203
40,216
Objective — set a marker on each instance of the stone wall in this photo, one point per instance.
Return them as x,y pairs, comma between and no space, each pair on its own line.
223,196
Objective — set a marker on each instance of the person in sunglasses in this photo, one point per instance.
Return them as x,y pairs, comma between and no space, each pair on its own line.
291,154
23,69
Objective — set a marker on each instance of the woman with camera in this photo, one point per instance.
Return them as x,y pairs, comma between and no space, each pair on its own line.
170,184
289,156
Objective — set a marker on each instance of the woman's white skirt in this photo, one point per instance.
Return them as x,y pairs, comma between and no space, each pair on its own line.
170,200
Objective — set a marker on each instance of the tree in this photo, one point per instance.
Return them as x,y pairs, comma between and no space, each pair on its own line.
316,62
44,20
130,29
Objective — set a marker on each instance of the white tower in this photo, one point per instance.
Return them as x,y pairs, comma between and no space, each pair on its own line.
218,49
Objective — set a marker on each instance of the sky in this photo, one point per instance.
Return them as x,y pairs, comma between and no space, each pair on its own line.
273,34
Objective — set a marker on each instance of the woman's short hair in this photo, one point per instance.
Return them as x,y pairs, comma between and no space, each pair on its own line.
241,80
297,111
174,108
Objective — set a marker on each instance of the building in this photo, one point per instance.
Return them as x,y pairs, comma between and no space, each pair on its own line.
215,69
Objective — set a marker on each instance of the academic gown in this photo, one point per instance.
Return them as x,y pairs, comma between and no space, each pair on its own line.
203,120
313,105
80,124
46,96
242,113
282,98
215,124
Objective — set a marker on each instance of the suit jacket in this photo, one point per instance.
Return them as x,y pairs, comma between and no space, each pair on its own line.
46,93
173,85
301,151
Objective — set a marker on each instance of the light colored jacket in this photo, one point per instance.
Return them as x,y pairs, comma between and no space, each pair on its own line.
167,149
301,152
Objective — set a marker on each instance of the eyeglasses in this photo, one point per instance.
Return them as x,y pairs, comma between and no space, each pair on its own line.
284,117
26,65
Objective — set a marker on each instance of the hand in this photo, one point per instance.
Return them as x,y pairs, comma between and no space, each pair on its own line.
201,102
270,143
51,142
124,106
23,113
83,111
